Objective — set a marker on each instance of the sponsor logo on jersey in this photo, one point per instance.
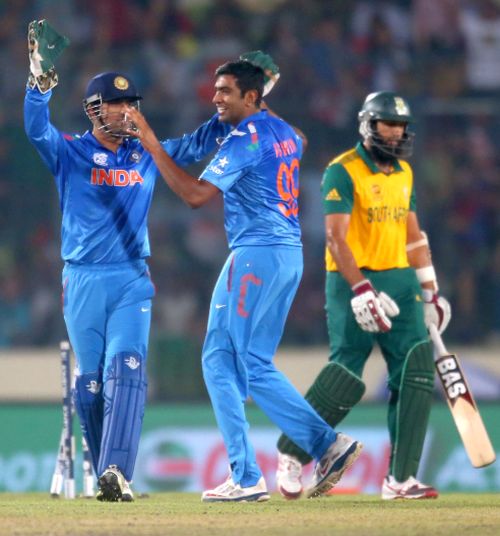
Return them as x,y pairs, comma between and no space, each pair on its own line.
101,159
132,362
333,195
218,168
223,162
115,177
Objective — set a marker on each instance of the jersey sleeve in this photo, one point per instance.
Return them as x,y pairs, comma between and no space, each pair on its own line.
413,200
48,141
337,190
236,156
195,146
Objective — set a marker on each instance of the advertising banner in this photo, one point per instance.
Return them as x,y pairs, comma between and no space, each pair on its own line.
182,450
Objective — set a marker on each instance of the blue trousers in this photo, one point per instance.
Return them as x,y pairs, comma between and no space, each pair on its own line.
249,307
107,309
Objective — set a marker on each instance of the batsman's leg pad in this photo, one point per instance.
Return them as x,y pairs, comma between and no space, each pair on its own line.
125,389
409,411
89,404
334,392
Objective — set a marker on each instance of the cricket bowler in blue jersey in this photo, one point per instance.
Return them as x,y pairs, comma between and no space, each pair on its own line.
105,181
257,170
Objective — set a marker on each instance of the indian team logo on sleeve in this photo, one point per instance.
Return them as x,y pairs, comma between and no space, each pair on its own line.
333,195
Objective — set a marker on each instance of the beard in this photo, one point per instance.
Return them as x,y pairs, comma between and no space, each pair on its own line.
380,156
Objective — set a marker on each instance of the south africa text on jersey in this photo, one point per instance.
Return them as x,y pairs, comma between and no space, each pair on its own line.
115,177
386,213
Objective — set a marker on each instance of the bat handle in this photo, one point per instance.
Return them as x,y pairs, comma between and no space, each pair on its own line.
437,340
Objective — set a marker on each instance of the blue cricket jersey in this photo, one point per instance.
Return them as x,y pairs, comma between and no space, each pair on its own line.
257,169
105,196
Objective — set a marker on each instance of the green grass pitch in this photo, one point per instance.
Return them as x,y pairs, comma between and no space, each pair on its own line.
184,514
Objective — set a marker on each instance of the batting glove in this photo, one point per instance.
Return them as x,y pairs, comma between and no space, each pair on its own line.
372,309
437,310
44,47
266,63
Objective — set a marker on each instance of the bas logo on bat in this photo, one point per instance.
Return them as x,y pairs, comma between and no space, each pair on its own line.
451,376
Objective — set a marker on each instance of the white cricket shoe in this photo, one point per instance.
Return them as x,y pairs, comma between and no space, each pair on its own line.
289,476
341,454
127,493
112,486
228,491
409,489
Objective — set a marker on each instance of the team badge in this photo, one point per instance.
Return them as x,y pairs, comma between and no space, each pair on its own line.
101,159
121,83
135,156
401,107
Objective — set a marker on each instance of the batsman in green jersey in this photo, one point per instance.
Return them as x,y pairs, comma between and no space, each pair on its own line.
380,288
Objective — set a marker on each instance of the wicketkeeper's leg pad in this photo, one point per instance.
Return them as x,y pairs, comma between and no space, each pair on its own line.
334,392
89,404
125,389
409,411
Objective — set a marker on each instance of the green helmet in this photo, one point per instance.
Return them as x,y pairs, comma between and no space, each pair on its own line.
386,106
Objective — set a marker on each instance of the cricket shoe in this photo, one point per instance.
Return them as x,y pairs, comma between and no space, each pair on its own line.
341,454
289,476
409,489
228,491
113,486
127,494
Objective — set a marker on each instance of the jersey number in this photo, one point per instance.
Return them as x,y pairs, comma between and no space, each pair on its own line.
287,183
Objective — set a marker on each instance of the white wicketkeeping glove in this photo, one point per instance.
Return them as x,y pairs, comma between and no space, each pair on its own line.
372,309
437,310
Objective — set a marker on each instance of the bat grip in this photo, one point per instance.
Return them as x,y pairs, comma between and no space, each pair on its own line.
437,340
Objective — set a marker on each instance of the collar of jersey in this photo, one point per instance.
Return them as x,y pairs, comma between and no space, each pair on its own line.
368,160
257,116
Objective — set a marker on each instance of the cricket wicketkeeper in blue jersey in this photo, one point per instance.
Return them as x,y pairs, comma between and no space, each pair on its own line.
257,171
105,181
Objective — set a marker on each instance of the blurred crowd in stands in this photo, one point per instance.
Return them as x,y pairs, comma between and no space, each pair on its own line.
443,55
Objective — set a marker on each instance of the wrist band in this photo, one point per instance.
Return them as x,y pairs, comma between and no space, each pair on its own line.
426,275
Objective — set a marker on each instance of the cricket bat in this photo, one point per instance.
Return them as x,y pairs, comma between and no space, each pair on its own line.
462,404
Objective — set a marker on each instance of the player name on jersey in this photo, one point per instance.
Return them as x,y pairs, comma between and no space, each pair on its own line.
115,177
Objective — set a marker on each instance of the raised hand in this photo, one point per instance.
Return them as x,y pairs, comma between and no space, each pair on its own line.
45,45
